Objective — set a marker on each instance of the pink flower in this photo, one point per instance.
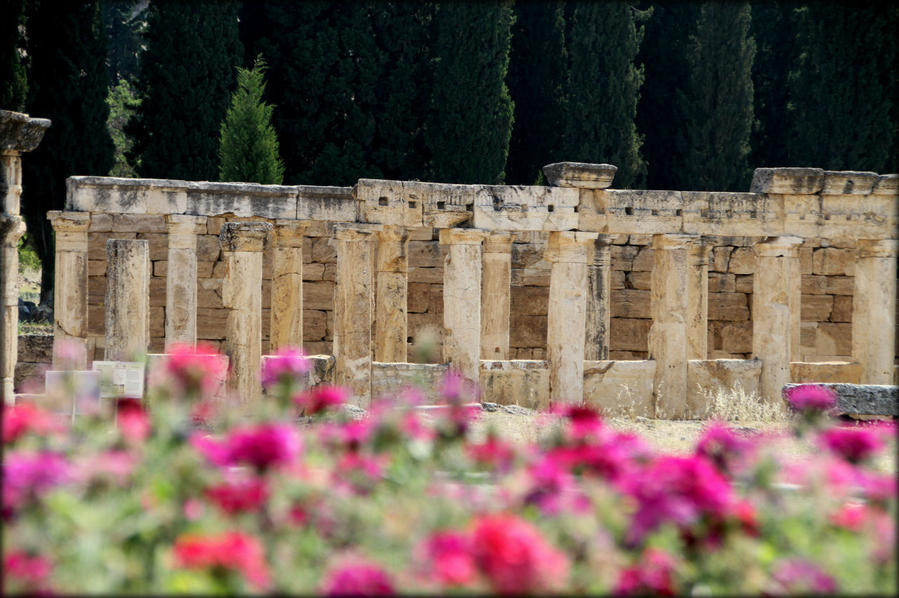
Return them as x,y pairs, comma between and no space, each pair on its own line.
492,452
132,420
811,397
450,556
31,572
321,398
113,465
584,421
238,495
263,446
287,365
25,418
721,446
853,444
653,575
801,576
27,474
357,578
515,558
231,550
851,516
196,370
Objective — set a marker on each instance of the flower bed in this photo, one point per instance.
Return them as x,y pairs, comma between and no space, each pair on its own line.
177,495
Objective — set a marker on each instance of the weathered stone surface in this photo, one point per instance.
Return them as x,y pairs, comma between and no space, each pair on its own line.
286,318
385,202
840,285
580,174
628,303
462,300
831,261
842,309
391,265
518,382
496,281
643,212
793,181
817,308
620,388
389,380
353,313
19,132
721,213
629,334
863,399
522,208
329,204
127,299
827,371
848,182
887,184
874,309
70,272
742,261
707,378
814,284
721,283
599,297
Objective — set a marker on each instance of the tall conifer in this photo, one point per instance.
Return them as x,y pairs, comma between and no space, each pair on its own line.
603,88
537,75
13,84
715,108
471,111
185,83
67,84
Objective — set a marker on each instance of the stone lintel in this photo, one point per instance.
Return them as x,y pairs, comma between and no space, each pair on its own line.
882,248
787,180
66,221
778,247
887,184
580,174
675,241
19,132
569,247
848,182
184,223
498,243
289,233
355,232
244,236
462,236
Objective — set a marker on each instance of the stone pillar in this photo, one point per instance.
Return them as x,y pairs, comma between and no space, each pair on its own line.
11,230
567,314
127,299
242,245
774,311
287,285
462,300
496,292
599,290
698,298
671,309
874,310
353,313
181,278
70,288
391,319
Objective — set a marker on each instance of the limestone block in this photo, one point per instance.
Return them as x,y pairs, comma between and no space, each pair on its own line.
519,382
742,261
802,215
389,380
850,217
827,371
794,181
418,297
312,271
385,202
646,212
833,338
620,388
527,331
315,323
426,275
629,334
848,182
426,254
814,284
628,355
816,308
732,307
721,213
127,323
708,378
719,259
622,256
832,261
864,399
511,208
19,132
736,337
630,303
721,283
806,260
318,295
842,309
592,211
323,251
208,248
580,174
248,200
530,300
527,255
126,196
329,204
840,285
100,223
743,283
887,184
617,279
641,280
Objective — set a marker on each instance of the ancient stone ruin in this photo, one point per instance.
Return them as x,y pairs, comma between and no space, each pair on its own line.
636,301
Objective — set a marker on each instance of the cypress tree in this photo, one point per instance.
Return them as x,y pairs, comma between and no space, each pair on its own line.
324,66
185,82
249,145
13,84
665,62
67,84
715,108
774,33
123,20
537,71
603,88
842,92
470,123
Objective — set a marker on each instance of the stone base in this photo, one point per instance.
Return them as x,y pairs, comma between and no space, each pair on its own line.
620,388
828,371
522,382
705,378
389,379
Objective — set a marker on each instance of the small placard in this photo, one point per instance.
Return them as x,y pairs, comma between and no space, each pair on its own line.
120,379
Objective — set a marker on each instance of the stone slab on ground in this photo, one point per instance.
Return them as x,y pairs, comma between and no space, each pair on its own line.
863,399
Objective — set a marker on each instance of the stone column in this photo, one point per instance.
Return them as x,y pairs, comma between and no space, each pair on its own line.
181,278
671,309
496,285
70,288
599,292
567,314
11,230
287,285
242,246
127,299
774,311
391,319
353,312
698,298
874,310
462,300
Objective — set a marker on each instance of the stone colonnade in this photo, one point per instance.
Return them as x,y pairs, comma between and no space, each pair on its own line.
19,133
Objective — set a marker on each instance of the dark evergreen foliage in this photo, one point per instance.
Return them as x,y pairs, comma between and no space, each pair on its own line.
13,85
67,84
603,88
124,20
185,83
715,107
843,89
470,122
538,69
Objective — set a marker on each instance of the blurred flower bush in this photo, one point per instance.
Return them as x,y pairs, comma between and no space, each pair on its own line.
178,494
